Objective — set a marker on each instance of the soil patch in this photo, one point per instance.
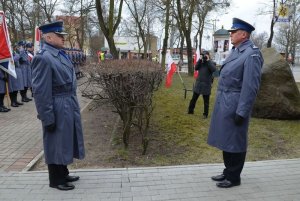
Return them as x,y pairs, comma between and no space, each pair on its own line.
103,142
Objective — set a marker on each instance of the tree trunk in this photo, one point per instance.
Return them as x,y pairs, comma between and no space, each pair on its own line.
269,43
165,41
109,28
189,50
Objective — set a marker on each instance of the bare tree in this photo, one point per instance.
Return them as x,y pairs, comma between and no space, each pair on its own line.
185,24
80,9
109,23
259,39
21,15
288,36
269,43
166,5
294,29
204,7
48,7
138,11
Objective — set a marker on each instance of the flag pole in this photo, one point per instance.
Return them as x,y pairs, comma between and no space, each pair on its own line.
181,79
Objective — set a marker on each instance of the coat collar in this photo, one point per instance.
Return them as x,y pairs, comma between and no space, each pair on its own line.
244,45
238,50
55,52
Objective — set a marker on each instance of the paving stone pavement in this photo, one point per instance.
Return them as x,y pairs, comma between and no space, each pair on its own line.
20,143
21,135
261,181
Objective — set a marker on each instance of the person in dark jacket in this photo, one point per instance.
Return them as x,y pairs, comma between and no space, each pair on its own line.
54,89
206,68
238,85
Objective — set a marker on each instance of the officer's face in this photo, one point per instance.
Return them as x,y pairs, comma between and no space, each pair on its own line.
237,37
57,40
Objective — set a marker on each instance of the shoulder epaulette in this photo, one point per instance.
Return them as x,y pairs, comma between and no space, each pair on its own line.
41,51
254,47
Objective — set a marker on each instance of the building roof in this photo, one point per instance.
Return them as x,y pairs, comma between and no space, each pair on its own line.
221,32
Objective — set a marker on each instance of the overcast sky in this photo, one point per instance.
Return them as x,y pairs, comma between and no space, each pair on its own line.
248,11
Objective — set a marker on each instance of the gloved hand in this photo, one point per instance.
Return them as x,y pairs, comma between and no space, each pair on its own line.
238,120
50,128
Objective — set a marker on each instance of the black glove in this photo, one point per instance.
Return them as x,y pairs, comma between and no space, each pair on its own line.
238,120
50,128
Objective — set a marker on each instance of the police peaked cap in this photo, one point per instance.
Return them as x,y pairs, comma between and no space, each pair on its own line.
55,27
21,43
29,45
238,24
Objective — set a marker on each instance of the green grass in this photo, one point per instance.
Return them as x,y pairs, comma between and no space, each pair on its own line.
183,137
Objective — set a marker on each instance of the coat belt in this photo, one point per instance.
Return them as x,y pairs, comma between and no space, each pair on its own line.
63,90
229,89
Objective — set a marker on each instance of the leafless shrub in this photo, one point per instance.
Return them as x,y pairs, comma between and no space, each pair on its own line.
129,86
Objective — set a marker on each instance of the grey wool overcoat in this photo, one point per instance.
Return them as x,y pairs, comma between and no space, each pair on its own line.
237,89
54,88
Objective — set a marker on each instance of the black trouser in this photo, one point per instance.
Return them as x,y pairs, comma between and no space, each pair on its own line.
57,174
234,163
13,96
24,92
194,100
2,99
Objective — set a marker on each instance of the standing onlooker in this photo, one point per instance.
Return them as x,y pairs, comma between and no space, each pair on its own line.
239,82
54,88
205,68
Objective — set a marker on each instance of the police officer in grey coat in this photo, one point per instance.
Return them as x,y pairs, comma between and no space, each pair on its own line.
54,89
206,68
16,84
25,66
238,85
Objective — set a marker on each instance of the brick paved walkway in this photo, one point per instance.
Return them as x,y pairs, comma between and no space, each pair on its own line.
261,181
21,136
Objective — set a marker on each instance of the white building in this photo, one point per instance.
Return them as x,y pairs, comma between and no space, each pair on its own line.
221,45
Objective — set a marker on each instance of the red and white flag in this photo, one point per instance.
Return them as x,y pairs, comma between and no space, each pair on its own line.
171,69
37,40
6,54
196,58
30,56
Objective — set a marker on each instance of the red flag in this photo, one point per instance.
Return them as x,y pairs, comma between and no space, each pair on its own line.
171,69
6,56
37,40
196,58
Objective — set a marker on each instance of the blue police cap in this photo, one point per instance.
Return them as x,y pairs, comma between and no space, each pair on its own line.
238,24
21,43
29,45
55,27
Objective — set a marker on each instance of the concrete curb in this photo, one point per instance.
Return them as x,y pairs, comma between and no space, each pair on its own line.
252,163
